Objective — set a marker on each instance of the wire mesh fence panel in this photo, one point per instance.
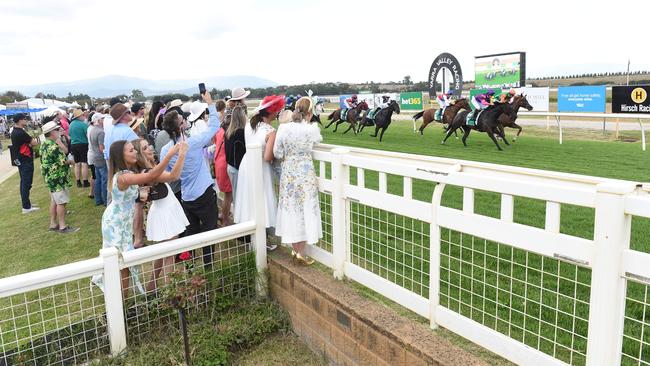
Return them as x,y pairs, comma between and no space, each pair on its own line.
537,300
57,325
636,331
231,273
326,221
391,246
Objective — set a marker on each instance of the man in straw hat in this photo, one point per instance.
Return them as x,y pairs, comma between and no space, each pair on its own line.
54,167
199,199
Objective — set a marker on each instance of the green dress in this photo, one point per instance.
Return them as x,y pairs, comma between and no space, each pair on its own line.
117,227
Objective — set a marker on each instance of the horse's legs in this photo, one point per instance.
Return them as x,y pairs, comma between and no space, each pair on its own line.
382,133
352,127
334,120
502,134
490,133
466,131
452,129
518,132
337,125
425,123
376,130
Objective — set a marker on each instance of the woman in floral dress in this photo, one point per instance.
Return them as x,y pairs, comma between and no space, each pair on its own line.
298,220
117,220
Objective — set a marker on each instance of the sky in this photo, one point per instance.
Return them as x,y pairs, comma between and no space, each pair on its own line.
294,42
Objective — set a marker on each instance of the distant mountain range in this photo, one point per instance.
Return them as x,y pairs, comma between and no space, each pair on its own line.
111,85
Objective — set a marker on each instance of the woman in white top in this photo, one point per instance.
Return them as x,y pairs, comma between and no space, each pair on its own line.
259,131
298,220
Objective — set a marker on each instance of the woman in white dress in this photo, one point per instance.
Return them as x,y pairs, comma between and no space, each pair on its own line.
259,131
166,218
298,219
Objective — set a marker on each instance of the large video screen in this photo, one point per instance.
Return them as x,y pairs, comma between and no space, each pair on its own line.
504,70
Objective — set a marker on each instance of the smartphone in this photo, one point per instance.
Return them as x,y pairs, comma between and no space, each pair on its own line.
202,88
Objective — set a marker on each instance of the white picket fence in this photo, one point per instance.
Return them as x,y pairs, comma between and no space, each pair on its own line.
531,293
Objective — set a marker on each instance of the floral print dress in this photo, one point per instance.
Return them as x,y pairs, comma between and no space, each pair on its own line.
117,227
298,217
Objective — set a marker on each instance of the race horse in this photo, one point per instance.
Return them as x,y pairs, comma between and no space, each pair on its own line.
428,115
382,119
505,120
487,121
351,117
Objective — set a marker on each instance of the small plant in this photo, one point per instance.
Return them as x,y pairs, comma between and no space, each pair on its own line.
179,294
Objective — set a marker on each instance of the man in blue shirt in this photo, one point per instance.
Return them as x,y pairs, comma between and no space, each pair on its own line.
121,130
199,199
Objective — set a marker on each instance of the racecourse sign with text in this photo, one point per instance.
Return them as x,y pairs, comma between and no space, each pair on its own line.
449,62
631,99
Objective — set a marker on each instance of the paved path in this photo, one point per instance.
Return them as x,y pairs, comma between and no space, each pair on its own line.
6,170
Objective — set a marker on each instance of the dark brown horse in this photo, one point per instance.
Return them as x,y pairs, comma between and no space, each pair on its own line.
486,121
519,101
352,117
428,115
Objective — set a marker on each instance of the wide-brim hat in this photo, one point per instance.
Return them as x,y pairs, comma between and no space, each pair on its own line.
239,94
76,114
175,103
118,111
50,126
272,103
196,110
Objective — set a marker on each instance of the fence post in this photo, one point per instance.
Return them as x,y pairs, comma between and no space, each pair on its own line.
340,177
113,300
259,238
607,300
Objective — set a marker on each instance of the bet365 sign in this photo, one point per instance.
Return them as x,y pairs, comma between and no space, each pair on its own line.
631,99
410,101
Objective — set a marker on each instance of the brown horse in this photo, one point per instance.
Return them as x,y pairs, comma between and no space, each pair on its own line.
428,115
352,117
505,120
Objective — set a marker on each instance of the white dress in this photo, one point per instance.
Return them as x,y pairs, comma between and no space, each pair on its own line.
244,194
166,218
298,206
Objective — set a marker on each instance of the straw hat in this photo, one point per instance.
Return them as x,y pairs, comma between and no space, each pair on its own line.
76,114
50,126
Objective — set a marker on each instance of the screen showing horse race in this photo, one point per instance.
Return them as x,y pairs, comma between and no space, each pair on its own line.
503,70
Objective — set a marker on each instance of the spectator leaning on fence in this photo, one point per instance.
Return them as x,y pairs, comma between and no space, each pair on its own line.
54,167
22,143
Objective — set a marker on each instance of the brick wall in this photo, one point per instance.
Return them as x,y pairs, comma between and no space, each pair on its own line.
335,321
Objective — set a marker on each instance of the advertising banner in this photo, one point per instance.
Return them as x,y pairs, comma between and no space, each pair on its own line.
631,99
410,101
581,98
537,97
342,99
504,70
440,63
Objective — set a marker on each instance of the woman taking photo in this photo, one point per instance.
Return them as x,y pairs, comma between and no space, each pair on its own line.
117,220
166,218
298,219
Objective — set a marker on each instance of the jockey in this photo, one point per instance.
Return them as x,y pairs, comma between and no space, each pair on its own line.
352,102
385,101
289,100
444,101
482,101
507,97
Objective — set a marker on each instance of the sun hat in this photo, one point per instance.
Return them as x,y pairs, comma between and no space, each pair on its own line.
272,103
76,114
175,103
118,111
196,110
50,126
96,117
239,94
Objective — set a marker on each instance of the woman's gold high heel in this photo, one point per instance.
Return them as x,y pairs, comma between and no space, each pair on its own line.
304,260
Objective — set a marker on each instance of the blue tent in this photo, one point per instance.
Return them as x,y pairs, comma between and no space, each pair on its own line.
11,112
